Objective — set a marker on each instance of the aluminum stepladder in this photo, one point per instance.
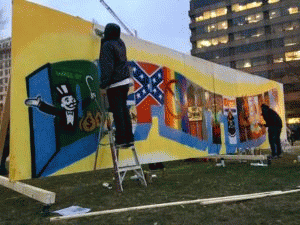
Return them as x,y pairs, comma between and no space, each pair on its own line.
119,170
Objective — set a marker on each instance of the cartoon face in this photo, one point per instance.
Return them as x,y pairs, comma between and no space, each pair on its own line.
68,102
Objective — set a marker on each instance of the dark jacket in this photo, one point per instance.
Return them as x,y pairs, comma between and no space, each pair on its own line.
271,117
113,59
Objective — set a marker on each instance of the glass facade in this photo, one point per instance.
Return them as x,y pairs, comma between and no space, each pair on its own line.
258,36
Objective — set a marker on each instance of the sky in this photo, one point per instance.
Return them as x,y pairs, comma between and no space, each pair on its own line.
165,23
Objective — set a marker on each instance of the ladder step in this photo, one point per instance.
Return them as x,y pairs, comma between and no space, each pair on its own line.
127,168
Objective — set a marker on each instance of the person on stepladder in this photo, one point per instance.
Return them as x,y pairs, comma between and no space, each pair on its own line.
115,81
274,124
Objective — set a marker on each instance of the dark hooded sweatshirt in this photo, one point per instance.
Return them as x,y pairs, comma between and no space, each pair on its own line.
271,117
113,60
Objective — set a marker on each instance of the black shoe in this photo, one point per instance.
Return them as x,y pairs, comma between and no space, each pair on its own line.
125,145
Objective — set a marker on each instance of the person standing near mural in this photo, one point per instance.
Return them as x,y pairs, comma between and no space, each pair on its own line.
274,124
115,78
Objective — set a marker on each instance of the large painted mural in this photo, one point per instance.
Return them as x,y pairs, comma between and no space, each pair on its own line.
181,107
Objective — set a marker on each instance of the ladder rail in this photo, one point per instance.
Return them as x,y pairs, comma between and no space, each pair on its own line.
119,171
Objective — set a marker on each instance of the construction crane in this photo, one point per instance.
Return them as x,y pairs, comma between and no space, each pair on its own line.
118,19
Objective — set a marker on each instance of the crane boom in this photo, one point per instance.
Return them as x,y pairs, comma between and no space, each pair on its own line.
117,18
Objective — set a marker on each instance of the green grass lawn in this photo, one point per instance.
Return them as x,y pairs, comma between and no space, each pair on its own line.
181,180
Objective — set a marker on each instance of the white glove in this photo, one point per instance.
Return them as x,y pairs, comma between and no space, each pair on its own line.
33,101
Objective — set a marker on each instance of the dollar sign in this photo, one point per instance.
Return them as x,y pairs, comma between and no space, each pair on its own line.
89,123
98,119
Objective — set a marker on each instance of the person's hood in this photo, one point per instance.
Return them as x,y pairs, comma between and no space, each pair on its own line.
112,31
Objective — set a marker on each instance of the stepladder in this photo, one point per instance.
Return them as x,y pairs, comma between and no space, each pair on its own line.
120,169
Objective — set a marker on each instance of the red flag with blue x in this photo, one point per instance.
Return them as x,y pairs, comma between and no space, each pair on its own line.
149,89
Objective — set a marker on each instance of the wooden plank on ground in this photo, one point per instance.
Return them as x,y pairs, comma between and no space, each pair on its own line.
207,201
239,157
41,195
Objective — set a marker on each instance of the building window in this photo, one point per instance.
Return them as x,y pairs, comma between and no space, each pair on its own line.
274,13
223,25
277,43
245,63
283,12
259,61
250,47
293,10
291,41
255,18
292,56
285,27
214,41
212,14
242,6
249,33
273,1
278,59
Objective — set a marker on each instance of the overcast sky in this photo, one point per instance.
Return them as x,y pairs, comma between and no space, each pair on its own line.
164,22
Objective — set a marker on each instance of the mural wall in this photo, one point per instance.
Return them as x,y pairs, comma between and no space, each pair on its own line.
181,106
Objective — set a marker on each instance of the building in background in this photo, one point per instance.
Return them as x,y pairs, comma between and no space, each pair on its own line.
261,37
5,69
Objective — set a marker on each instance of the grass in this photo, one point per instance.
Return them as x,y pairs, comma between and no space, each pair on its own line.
181,180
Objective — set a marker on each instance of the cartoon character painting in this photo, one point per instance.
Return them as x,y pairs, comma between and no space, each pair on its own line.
64,119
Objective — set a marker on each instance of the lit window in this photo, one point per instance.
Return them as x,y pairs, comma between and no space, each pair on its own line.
273,1
243,63
223,25
213,41
223,39
222,11
212,14
278,60
203,43
291,56
206,15
238,7
199,18
217,26
290,41
212,27
241,7
253,5
293,10
291,26
254,18
274,13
